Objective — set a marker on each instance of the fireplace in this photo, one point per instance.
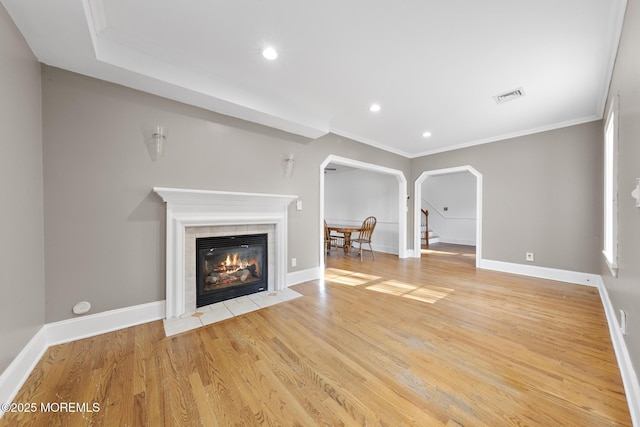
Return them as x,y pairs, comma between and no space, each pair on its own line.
230,266
193,214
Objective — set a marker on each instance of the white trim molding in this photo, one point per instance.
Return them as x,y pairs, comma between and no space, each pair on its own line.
78,328
568,276
628,373
402,207
610,187
417,206
302,276
20,368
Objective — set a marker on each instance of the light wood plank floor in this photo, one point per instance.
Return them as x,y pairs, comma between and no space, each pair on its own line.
378,343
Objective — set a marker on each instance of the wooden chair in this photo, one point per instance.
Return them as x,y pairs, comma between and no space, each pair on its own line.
366,231
329,240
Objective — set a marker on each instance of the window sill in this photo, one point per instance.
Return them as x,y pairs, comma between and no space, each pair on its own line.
613,267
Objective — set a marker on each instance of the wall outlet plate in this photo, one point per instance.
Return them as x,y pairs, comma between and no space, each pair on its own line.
529,256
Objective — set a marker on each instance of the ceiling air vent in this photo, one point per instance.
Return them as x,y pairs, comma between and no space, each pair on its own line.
508,96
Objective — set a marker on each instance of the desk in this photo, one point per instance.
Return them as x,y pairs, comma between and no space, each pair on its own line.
346,230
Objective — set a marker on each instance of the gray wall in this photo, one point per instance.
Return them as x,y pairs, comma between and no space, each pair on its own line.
104,226
22,290
624,290
541,193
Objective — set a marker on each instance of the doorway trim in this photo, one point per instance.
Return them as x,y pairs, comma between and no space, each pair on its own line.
417,205
402,199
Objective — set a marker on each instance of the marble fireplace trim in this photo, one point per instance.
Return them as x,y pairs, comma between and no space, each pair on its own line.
202,208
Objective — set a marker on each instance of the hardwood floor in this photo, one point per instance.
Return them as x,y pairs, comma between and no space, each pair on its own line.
387,342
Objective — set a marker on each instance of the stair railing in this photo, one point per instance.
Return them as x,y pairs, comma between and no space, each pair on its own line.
426,226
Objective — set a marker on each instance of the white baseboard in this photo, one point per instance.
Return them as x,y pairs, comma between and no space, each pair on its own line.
303,276
629,377
408,253
64,331
541,272
381,248
18,371
467,242
100,323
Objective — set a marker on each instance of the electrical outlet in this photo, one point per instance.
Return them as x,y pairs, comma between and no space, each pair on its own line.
623,321
529,256
294,262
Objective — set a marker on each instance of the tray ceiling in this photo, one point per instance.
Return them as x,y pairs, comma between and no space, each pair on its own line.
435,67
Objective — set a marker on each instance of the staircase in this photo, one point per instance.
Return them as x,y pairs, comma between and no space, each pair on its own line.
426,232
433,237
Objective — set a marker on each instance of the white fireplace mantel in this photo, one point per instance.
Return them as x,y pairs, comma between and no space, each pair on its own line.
196,208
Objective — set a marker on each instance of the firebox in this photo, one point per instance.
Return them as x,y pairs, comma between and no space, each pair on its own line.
230,266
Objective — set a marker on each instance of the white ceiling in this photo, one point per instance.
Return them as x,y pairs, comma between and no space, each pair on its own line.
431,65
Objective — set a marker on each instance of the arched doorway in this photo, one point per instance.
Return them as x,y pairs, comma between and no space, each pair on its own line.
401,200
417,205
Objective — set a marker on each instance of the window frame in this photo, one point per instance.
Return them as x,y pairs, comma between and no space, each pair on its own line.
610,196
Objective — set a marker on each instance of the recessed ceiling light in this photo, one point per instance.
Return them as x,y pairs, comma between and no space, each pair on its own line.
269,53
426,134
374,108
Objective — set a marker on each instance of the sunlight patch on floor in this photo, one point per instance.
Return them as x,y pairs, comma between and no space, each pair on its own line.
437,252
406,290
428,295
349,281
349,278
330,273
392,287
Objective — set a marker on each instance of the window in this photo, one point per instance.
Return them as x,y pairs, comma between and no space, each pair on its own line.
610,249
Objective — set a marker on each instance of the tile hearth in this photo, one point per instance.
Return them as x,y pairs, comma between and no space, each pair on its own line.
226,309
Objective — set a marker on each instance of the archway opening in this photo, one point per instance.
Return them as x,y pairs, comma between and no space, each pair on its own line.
417,213
400,202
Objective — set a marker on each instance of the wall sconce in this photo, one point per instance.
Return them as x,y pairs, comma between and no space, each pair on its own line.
636,193
155,142
288,165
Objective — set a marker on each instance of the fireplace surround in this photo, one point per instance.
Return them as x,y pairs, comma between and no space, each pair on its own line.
194,212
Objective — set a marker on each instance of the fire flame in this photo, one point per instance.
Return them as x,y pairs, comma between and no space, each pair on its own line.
234,262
